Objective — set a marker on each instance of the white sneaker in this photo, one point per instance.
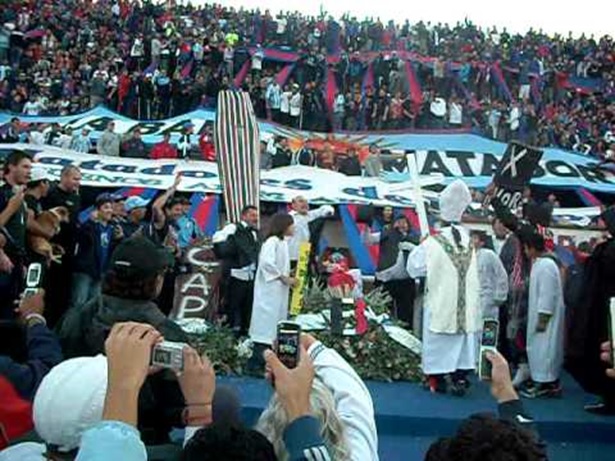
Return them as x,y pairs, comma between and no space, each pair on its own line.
522,375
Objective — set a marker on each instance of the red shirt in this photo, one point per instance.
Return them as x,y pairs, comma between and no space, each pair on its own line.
207,148
163,150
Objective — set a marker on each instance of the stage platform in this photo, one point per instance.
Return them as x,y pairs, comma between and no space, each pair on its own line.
409,418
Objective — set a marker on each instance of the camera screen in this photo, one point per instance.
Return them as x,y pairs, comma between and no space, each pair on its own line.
162,356
288,347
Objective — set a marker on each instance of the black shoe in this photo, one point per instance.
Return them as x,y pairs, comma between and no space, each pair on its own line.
459,387
542,391
600,408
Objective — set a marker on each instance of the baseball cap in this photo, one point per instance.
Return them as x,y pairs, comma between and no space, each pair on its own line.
134,202
138,258
104,198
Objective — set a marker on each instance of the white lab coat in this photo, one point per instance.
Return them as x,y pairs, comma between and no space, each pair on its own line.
545,350
493,283
443,352
270,304
302,229
353,401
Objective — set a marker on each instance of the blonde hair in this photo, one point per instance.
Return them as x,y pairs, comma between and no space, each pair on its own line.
273,421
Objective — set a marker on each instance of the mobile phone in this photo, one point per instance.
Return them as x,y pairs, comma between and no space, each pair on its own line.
29,292
288,343
34,275
488,343
168,354
612,330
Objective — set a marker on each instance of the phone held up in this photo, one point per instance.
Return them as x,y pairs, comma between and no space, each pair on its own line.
169,355
288,343
488,343
34,279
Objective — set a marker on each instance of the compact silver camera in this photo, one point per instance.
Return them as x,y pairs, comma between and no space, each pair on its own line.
168,355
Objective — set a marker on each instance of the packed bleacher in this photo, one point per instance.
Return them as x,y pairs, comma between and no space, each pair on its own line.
62,58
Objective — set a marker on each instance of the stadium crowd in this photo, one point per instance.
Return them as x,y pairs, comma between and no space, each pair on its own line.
86,292
169,58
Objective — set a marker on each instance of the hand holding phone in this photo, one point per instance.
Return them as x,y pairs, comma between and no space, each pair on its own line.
288,343
488,345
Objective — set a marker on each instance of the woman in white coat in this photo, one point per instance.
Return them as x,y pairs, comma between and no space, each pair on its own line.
271,286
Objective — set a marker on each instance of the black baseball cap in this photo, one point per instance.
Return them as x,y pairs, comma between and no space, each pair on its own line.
140,258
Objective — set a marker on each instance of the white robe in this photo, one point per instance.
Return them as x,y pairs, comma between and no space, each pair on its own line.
270,293
493,283
302,228
545,350
443,353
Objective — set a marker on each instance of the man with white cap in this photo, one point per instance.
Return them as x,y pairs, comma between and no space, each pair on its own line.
36,190
452,297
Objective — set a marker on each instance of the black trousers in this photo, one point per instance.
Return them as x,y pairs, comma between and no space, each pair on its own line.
403,293
240,296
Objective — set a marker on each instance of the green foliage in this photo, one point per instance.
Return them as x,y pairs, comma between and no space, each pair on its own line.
374,355
221,347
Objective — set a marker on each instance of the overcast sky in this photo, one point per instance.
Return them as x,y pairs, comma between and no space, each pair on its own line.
578,16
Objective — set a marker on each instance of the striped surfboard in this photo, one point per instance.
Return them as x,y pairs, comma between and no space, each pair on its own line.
236,139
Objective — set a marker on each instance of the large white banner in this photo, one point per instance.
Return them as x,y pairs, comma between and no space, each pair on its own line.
278,185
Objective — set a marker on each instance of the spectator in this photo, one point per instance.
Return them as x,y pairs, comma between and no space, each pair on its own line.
350,166
133,281
295,105
455,113
134,147
339,110
238,245
68,401
136,210
274,101
93,251
64,194
282,155
42,348
373,162
109,142
82,142
33,107
11,135
338,400
37,189
13,223
265,160
271,286
285,106
545,327
395,244
187,144
164,149
206,144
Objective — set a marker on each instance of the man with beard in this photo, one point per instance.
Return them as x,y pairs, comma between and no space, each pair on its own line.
588,323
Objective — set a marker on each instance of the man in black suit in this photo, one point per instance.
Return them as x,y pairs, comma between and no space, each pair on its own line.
238,245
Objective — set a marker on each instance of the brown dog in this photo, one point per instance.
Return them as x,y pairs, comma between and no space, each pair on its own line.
50,221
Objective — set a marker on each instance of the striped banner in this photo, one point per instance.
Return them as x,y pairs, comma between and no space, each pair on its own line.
236,138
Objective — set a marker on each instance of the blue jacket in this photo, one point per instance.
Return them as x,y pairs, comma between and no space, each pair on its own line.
44,353
94,247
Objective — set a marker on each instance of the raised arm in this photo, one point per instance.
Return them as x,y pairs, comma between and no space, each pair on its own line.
353,401
159,203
